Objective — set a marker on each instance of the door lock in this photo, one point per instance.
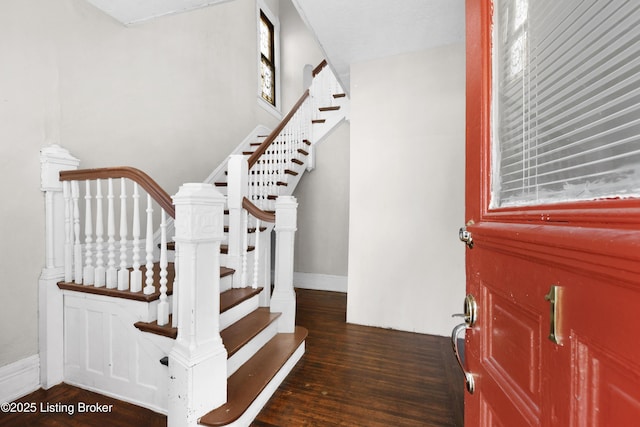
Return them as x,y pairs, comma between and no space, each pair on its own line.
465,236
470,314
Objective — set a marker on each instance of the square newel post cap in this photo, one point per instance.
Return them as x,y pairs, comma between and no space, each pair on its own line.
53,160
286,213
199,212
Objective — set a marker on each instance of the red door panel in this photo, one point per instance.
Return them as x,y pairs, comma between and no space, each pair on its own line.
590,375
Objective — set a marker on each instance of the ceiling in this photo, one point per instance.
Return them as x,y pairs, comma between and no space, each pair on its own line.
349,31
360,30
131,12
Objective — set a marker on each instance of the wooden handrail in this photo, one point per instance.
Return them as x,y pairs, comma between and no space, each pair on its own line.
257,212
272,136
319,68
145,181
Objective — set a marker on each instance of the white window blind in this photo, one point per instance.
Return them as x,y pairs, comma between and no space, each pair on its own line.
566,109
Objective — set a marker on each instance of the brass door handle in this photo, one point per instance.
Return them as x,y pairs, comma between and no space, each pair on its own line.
554,318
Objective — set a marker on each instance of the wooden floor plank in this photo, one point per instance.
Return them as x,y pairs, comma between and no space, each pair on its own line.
350,376
61,405
360,376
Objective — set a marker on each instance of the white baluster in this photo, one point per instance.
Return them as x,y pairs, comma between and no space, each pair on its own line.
163,305
99,280
243,230
149,288
136,274
88,274
256,255
77,246
68,241
123,271
112,273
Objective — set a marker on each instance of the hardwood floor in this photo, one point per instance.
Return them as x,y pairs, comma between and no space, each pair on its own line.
350,376
62,405
360,376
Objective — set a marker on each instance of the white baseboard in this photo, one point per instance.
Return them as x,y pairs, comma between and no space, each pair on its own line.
320,282
19,378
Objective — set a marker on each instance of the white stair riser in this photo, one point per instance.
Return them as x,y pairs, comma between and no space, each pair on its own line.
236,313
254,409
226,283
251,348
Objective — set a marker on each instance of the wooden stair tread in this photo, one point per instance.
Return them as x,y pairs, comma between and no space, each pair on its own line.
250,230
232,297
251,378
153,328
339,95
244,330
136,296
298,162
221,184
334,108
318,121
226,271
303,152
127,294
228,299
224,249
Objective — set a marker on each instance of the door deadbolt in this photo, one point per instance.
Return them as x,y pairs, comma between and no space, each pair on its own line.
465,236
470,313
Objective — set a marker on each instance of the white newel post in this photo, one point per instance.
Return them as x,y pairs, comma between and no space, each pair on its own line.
198,360
283,299
237,190
53,159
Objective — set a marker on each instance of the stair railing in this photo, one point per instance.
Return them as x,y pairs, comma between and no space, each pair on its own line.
256,193
271,164
76,251
87,244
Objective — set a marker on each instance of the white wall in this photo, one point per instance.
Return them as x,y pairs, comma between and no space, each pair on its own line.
323,194
172,97
322,239
406,265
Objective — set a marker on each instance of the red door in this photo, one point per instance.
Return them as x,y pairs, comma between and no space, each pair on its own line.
586,371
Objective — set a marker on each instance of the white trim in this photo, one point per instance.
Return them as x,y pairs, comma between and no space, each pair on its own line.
270,108
19,378
320,282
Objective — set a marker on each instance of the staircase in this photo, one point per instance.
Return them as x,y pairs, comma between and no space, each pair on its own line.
192,327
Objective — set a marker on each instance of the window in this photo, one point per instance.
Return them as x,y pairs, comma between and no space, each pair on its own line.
267,60
566,106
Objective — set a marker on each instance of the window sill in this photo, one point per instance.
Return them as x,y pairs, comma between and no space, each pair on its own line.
270,108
